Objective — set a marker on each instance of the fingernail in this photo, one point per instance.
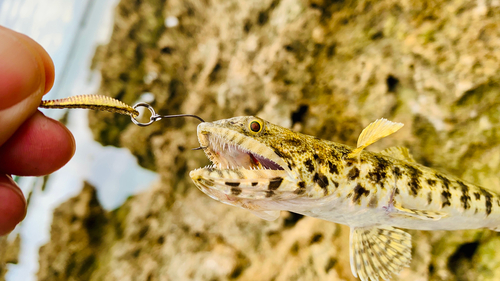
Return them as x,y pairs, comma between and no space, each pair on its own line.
20,69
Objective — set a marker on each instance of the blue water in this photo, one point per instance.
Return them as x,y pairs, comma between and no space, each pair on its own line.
70,30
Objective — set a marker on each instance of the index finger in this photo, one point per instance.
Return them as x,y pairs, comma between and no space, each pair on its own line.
27,73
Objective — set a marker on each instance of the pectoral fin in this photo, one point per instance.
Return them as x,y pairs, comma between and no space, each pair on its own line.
379,251
497,228
378,129
266,215
401,153
417,214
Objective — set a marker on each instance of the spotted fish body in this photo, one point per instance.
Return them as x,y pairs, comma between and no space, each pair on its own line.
265,168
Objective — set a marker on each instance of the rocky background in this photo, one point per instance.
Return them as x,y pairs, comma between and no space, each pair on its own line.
325,68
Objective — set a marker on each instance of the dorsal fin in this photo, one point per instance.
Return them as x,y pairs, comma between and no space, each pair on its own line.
378,129
378,251
398,152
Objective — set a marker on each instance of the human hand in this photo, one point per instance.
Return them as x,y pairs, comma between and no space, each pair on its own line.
30,143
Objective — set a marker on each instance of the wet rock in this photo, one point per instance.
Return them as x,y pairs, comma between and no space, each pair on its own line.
9,253
77,236
432,65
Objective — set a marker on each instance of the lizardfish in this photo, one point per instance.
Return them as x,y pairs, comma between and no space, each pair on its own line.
265,168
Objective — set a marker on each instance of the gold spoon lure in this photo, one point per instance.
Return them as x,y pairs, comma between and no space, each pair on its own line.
105,103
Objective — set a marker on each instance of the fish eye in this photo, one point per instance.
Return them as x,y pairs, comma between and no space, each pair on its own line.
255,126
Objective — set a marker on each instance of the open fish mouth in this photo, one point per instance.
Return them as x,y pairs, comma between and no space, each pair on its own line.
225,154
229,149
242,167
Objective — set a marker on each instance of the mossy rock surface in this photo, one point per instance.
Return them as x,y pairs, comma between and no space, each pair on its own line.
325,68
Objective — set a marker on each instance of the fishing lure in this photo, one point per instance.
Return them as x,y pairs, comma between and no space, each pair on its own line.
265,168
105,103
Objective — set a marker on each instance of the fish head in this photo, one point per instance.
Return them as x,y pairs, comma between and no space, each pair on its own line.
249,167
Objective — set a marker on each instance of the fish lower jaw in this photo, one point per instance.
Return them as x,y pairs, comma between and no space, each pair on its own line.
222,167
237,173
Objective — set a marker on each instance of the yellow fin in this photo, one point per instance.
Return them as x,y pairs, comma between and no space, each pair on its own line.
378,129
266,215
398,152
378,251
418,214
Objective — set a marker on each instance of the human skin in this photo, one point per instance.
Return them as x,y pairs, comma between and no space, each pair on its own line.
30,143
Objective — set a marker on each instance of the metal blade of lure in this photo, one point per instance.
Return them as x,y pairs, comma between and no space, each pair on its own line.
96,102
105,103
